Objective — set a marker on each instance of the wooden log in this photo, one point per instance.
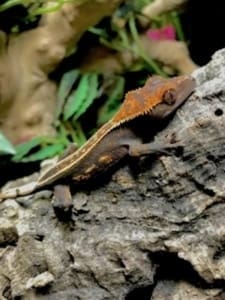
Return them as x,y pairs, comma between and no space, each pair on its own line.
154,230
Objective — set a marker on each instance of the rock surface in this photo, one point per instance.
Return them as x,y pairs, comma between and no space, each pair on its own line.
155,230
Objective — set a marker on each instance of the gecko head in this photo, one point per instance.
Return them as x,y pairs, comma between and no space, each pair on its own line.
172,93
158,97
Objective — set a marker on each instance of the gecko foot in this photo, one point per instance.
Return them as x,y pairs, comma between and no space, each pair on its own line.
62,202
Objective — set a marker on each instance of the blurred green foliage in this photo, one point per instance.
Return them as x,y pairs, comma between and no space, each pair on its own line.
79,92
35,7
5,146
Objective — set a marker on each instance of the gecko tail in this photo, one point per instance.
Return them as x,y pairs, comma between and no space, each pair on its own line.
23,190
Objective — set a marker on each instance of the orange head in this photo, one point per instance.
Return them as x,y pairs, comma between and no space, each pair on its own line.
158,97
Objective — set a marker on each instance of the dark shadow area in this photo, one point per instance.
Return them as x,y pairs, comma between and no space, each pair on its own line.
18,15
203,23
142,293
11,171
172,267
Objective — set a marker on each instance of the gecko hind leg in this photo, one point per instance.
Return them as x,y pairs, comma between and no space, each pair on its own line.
138,149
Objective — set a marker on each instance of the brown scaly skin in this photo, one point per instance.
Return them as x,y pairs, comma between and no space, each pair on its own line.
157,99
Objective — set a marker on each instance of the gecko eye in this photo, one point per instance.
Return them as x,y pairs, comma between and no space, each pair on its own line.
169,97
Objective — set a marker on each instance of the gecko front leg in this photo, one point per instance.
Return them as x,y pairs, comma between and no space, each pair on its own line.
139,149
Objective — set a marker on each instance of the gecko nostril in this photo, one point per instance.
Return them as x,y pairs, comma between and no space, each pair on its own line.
218,112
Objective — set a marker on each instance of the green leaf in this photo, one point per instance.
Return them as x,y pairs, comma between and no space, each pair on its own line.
76,99
79,137
92,94
24,148
5,146
140,51
178,26
45,152
98,31
65,86
113,102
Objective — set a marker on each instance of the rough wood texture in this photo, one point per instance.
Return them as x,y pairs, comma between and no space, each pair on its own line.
157,232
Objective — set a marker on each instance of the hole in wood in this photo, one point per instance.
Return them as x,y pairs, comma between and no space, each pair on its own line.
218,112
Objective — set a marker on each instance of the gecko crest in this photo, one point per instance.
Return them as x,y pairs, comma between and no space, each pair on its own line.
137,103
142,100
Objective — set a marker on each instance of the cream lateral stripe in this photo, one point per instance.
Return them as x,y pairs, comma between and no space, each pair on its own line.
68,163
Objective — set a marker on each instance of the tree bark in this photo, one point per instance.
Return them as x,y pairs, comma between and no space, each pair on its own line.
156,231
